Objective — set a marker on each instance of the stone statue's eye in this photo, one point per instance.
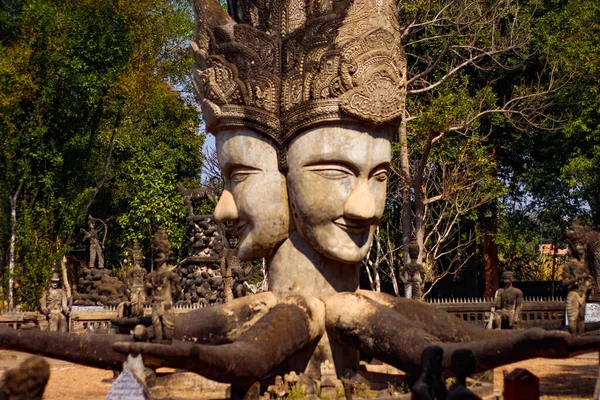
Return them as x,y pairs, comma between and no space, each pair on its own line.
381,176
332,173
240,174
238,177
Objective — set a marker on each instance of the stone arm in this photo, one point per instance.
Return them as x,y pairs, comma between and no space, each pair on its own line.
176,289
519,306
569,276
211,326
295,323
148,286
380,315
498,300
66,309
43,307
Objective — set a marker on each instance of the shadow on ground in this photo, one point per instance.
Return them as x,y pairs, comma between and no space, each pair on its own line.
570,380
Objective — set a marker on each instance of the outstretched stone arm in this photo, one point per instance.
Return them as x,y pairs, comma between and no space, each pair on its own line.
211,325
91,349
387,334
441,324
223,323
287,328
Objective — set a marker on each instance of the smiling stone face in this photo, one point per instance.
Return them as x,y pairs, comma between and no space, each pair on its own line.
255,197
337,185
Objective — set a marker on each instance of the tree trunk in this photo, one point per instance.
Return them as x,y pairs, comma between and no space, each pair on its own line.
490,248
12,251
490,260
377,261
405,190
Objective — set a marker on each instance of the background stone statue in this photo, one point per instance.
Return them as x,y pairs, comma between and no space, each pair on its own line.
163,288
577,278
430,385
414,274
91,235
463,366
508,304
584,245
54,305
135,281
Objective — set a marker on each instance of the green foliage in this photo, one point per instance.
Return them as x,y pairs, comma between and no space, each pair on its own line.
89,94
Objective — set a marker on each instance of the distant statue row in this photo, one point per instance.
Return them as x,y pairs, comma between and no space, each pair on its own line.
161,288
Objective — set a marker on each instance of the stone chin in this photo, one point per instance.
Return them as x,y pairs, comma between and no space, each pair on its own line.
345,254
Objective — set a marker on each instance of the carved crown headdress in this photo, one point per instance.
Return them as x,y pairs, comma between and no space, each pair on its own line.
281,66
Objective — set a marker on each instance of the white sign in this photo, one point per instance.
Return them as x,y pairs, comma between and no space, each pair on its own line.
592,312
127,387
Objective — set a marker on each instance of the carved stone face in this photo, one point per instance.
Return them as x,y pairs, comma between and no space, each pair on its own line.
337,185
255,196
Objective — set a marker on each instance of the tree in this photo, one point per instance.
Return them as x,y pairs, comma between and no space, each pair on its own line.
443,172
553,175
82,86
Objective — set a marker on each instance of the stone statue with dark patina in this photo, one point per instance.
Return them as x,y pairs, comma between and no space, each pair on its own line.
508,304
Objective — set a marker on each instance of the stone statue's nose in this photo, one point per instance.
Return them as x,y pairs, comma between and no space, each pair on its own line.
226,209
361,203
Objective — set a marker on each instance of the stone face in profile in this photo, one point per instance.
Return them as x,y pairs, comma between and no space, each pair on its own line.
255,197
337,185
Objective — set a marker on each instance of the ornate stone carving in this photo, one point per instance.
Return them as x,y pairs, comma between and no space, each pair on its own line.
301,64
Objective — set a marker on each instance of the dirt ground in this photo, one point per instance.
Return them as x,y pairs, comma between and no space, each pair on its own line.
559,379
573,378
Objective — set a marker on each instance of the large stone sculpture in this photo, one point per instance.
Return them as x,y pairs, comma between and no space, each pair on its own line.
55,306
303,98
163,288
508,304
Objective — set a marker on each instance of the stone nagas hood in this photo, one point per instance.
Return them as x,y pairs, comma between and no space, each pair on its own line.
282,66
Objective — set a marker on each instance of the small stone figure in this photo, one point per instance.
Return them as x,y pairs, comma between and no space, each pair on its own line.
431,384
135,285
508,304
55,306
164,289
414,274
91,235
578,281
463,366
